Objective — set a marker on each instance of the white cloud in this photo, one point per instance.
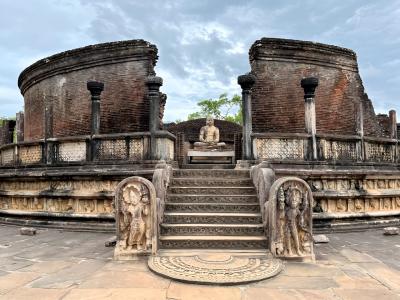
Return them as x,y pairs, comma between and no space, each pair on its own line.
203,45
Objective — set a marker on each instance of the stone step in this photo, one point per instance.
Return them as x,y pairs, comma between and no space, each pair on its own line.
212,207
207,190
209,165
212,218
220,173
213,242
211,181
212,229
188,198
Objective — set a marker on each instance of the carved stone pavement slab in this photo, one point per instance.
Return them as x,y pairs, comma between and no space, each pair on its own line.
215,268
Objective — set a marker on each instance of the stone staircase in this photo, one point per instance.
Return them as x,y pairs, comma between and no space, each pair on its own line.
212,209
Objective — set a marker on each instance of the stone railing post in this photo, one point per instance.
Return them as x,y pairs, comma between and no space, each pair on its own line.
393,124
20,126
154,83
393,132
309,85
246,82
95,89
360,131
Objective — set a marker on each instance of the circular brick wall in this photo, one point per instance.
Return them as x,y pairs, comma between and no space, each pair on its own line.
277,97
57,102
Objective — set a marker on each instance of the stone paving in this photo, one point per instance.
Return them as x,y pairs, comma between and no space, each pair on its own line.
65,265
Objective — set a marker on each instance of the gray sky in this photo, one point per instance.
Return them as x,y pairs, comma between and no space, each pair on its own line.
203,44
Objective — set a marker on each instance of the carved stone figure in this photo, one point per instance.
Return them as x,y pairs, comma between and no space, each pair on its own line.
387,204
209,137
289,225
359,205
374,204
135,213
318,208
341,205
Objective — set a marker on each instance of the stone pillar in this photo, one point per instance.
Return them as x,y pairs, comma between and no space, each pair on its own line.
154,83
48,119
309,85
393,124
20,126
360,131
246,82
95,89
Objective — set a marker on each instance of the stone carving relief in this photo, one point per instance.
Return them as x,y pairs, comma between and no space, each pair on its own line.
358,205
379,152
279,148
339,150
30,154
346,195
135,200
263,176
289,218
7,156
136,149
72,151
162,177
112,150
60,185
57,204
59,196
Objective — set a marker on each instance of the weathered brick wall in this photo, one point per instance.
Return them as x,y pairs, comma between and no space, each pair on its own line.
277,97
398,130
19,126
372,123
384,123
6,131
191,129
58,84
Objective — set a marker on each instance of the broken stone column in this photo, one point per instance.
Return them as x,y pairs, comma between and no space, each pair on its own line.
309,85
154,83
246,82
95,89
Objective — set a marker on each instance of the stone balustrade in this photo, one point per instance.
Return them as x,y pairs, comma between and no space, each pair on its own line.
330,148
126,147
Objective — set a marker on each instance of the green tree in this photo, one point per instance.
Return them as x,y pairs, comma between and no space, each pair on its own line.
220,108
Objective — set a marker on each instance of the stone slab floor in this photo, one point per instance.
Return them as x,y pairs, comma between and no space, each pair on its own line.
66,265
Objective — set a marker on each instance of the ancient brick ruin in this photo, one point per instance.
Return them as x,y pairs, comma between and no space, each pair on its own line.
311,148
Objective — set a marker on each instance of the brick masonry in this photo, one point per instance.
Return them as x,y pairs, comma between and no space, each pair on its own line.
57,85
277,98
6,131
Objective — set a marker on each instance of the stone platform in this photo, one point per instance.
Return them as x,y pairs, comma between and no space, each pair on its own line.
63,265
210,156
217,268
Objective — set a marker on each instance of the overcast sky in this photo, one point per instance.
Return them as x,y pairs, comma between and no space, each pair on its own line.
203,44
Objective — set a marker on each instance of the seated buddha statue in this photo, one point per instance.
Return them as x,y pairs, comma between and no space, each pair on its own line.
209,137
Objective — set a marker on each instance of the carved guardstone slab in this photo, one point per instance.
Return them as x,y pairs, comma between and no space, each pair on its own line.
136,222
288,218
